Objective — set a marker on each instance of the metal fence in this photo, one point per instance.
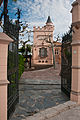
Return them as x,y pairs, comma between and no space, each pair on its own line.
13,94
66,63
12,30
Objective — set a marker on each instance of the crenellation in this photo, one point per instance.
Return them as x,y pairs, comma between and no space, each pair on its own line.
43,29
34,28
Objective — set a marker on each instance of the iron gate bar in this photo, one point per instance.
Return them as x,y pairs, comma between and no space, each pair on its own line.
66,63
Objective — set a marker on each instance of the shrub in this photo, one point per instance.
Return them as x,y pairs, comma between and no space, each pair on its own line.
21,65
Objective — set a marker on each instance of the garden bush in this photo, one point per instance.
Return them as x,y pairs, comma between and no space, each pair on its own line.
21,65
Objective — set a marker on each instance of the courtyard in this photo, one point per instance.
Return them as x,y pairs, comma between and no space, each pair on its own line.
39,90
52,91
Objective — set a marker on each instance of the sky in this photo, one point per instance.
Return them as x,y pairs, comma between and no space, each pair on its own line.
36,12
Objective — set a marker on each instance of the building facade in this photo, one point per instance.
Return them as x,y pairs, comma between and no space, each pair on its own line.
42,44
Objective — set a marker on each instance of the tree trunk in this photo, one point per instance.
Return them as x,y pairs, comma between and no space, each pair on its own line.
1,2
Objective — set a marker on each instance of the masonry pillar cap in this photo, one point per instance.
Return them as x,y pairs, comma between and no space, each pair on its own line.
76,42
5,39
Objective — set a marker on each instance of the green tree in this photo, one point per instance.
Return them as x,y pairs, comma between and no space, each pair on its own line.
24,50
67,37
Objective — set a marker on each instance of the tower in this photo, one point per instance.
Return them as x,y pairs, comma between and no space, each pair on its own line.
42,51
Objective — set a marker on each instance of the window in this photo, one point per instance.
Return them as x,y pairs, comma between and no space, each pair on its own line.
43,52
56,51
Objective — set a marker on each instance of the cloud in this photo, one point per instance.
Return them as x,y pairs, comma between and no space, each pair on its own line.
35,12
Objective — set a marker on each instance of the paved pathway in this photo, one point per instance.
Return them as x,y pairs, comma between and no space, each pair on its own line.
50,113
38,90
72,114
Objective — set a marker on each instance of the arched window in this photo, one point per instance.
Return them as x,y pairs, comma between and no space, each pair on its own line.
56,52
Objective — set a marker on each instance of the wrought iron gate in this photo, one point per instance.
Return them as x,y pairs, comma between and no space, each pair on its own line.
66,56
12,30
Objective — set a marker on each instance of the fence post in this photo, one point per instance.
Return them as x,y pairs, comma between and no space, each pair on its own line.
75,87
4,41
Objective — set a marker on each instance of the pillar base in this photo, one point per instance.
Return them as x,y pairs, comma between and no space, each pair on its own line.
4,82
3,99
75,96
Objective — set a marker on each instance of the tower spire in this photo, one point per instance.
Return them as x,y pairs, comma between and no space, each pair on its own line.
49,20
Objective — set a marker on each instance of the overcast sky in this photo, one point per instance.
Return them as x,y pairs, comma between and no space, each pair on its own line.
35,12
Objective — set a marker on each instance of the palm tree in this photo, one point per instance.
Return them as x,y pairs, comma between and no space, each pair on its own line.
1,1
5,8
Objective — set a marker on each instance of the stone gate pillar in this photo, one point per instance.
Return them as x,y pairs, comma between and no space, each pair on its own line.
75,87
4,41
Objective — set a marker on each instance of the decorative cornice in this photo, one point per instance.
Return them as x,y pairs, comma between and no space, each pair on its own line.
76,24
42,45
75,93
75,67
76,43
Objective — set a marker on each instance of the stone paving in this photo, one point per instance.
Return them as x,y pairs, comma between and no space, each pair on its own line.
50,113
72,114
38,90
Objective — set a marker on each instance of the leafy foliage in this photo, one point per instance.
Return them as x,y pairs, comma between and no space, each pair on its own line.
66,46
67,37
11,64
22,50
67,53
21,65
28,46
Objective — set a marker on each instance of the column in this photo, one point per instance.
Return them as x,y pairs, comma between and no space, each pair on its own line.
75,87
4,41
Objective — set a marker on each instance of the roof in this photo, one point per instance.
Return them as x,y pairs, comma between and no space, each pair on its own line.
49,20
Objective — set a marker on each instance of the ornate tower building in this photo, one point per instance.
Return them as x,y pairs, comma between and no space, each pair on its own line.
42,50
